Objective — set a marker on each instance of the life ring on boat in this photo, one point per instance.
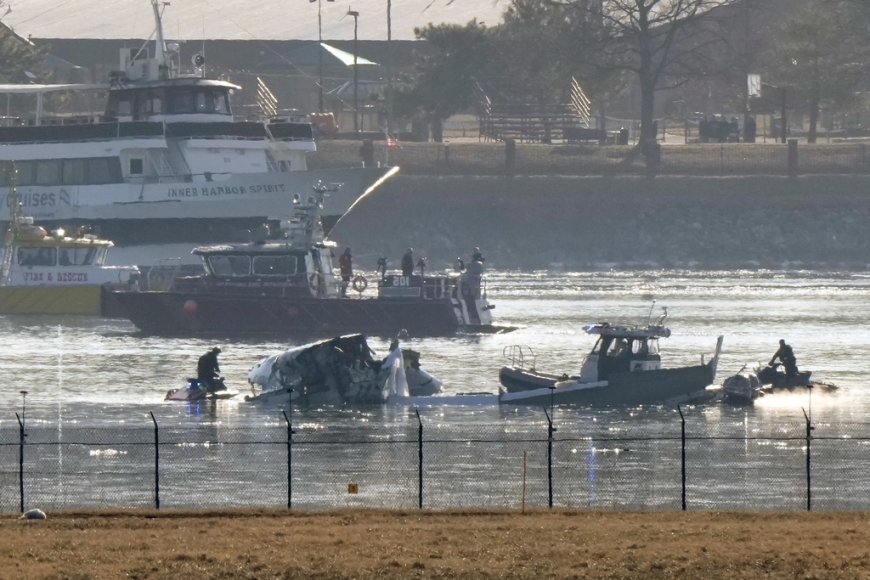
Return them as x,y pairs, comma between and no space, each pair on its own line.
360,283
314,282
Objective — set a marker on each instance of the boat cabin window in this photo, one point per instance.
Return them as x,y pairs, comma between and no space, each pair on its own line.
78,256
597,348
30,256
274,265
125,109
74,171
229,266
103,170
137,167
202,100
48,172
619,347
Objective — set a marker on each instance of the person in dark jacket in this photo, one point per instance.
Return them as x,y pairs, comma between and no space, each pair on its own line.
786,356
408,263
208,371
345,265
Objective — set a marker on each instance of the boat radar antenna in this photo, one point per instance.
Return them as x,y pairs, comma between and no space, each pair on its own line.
649,316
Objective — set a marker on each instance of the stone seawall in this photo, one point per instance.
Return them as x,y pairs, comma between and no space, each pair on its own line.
594,222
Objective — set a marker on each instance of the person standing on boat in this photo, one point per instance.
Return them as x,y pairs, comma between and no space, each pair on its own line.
345,266
408,263
208,370
786,356
476,256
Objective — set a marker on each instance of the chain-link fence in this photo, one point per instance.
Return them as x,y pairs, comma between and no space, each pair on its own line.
691,463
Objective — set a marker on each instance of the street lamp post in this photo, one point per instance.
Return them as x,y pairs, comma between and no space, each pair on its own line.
355,15
319,55
389,71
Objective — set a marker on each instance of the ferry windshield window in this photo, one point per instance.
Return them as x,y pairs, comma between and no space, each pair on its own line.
275,265
79,256
29,256
220,104
181,102
231,266
201,105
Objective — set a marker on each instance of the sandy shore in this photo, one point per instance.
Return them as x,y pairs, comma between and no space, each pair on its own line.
456,544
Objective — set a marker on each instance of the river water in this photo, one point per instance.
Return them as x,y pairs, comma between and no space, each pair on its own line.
82,372
96,370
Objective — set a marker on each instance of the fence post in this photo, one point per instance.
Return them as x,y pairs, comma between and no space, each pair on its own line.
289,458
792,157
156,461
510,156
809,472
683,457
550,431
21,436
419,460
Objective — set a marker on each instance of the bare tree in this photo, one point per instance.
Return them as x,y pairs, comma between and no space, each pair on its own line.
821,56
662,42
17,54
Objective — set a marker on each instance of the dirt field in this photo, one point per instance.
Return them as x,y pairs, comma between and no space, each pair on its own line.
381,544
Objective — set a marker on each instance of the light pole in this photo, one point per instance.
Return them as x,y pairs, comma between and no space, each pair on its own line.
355,15
389,71
23,407
319,54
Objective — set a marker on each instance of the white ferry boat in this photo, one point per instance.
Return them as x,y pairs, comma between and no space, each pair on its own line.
166,165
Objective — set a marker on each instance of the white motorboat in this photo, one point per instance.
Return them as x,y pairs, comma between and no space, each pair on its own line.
166,163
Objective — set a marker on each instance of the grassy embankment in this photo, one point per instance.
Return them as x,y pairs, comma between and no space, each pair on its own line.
455,544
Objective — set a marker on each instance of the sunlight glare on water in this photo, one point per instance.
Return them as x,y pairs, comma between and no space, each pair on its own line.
91,370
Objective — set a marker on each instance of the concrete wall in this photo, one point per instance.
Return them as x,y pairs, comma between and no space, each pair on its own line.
595,222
